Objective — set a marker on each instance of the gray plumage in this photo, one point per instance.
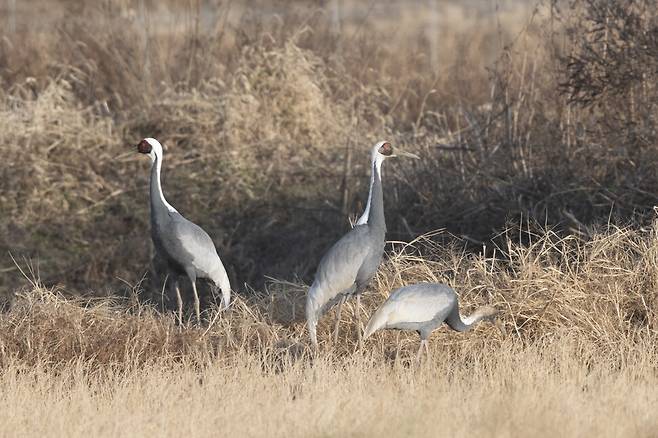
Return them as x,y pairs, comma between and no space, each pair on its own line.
186,248
423,308
349,265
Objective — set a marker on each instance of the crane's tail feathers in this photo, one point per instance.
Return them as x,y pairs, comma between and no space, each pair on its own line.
226,296
377,321
370,329
219,279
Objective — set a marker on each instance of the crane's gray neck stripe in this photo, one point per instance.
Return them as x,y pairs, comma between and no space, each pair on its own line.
158,166
375,172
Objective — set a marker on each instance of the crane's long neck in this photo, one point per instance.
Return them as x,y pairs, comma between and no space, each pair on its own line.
455,321
159,205
373,215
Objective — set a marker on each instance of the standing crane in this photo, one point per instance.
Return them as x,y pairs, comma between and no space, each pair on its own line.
423,308
186,248
349,265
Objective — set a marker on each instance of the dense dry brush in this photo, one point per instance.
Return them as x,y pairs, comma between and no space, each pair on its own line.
267,118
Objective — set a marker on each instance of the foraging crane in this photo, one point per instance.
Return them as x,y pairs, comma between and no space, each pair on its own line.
347,268
423,308
187,249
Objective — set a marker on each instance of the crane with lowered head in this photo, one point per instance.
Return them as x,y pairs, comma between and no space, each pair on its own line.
423,308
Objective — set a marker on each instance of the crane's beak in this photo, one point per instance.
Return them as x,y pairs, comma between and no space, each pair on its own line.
399,153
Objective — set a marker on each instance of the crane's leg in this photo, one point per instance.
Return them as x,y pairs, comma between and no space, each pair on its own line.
197,304
359,334
179,303
420,350
340,307
313,335
423,343
427,349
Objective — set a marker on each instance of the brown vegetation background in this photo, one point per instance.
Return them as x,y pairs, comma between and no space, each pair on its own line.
537,128
267,111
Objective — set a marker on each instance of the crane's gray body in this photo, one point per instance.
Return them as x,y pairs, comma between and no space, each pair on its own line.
187,249
423,308
350,264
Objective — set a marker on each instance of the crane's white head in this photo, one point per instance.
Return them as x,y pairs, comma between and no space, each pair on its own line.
383,150
150,147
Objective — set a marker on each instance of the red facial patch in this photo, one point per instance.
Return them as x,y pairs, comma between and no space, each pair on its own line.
386,149
144,147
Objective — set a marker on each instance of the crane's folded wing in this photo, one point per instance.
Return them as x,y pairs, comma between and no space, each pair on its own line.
198,245
340,265
413,304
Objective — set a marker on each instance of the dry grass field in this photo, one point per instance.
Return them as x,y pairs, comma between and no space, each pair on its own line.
537,128
578,358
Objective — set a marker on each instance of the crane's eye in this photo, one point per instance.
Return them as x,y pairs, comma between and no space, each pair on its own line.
144,147
386,149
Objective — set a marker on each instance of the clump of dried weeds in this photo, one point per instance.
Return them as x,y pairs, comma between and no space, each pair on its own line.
598,293
580,317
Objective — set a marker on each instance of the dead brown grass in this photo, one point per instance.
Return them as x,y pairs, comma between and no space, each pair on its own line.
600,293
579,357
509,392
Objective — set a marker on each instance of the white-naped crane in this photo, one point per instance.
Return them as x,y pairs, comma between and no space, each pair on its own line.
186,248
423,308
347,268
